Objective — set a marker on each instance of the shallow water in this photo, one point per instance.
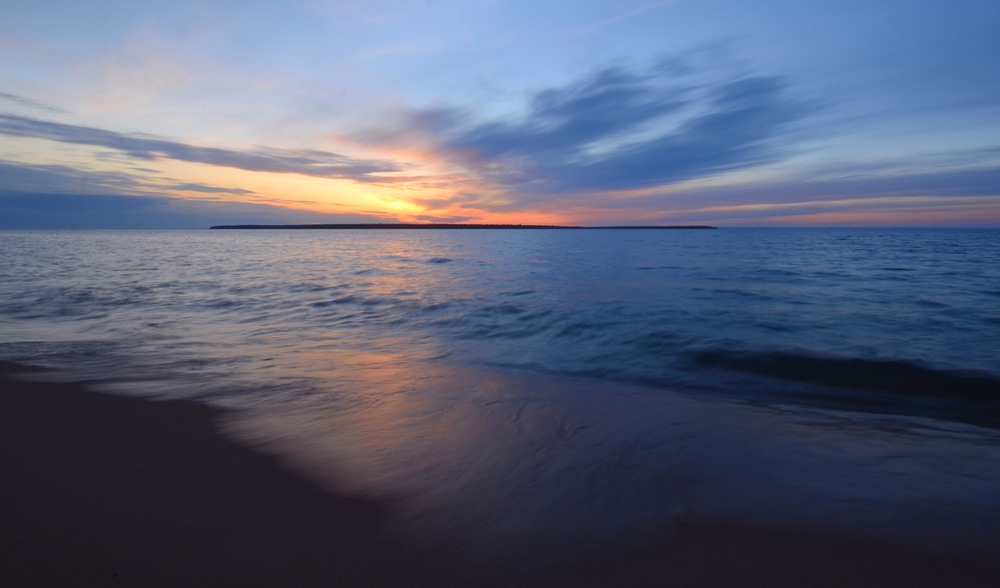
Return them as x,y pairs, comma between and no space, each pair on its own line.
513,388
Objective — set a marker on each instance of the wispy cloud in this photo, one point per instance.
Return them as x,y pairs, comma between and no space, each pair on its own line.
949,191
443,219
15,176
29,210
309,162
206,189
629,14
25,101
21,177
620,129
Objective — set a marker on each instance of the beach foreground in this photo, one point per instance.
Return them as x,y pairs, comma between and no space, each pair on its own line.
101,490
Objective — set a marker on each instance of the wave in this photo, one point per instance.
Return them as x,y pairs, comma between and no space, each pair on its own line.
889,384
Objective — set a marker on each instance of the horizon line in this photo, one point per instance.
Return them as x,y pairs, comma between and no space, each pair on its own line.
451,226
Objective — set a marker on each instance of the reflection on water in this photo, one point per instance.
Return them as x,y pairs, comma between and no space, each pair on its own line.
485,467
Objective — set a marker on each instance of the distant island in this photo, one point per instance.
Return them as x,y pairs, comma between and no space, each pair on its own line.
449,226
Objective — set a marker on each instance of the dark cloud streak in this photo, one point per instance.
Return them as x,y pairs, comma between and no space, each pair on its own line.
620,129
565,119
900,191
66,179
69,180
24,101
207,189
298,161
28,210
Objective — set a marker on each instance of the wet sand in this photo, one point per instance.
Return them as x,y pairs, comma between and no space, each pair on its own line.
101,490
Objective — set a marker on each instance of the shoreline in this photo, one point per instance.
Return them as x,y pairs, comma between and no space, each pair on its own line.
102,490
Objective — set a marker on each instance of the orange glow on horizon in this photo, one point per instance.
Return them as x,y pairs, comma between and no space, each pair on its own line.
430,189
888,218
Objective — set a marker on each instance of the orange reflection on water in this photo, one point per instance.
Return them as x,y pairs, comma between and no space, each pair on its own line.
381,414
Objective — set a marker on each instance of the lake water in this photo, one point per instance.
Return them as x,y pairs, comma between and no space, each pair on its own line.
518,391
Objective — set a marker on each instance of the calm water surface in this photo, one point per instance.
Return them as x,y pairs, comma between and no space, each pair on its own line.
515,389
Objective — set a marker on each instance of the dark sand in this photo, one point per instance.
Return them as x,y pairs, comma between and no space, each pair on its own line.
100,490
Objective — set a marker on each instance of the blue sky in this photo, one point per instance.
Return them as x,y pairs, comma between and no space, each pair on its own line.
776,112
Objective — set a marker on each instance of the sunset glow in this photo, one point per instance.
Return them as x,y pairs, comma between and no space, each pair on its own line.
718,112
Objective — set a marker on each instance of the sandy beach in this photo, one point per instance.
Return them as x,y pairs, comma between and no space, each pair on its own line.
101,490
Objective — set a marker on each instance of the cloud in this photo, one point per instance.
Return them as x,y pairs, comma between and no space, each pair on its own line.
207,189
309,162
27,210
20,177
972,193
628,15
443,219
568,119
60,178
941,185
23,101
620,129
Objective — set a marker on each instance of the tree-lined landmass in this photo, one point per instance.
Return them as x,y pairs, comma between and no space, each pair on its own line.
450,226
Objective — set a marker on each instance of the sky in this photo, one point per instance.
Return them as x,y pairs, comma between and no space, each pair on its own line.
190,113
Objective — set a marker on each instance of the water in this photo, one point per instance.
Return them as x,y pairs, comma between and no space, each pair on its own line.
507,389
